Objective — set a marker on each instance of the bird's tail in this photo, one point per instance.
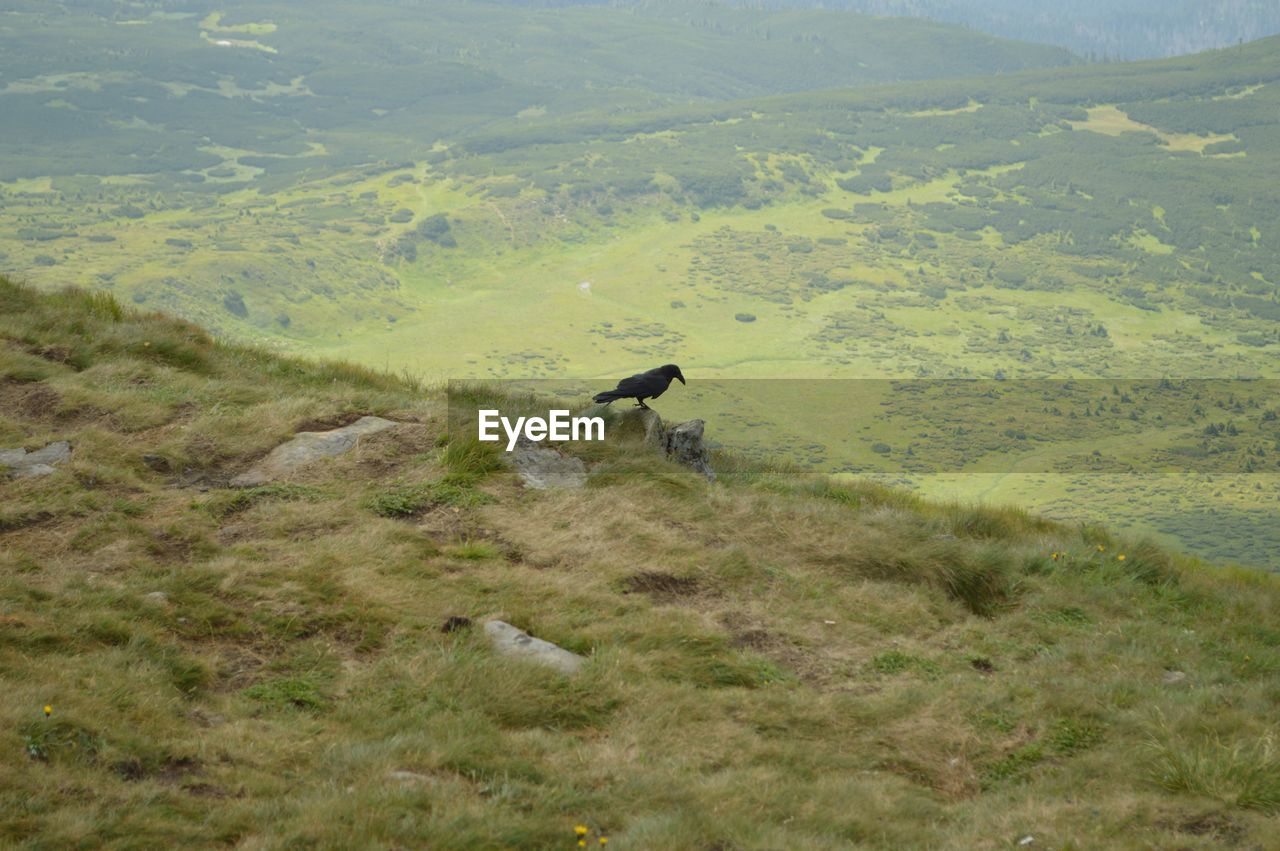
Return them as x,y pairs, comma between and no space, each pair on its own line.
606,397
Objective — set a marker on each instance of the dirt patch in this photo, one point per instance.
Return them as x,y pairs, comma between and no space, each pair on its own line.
1213,825
208,790
53,354
176,768
30,401
170,548
24,521
661,585
982,665
171,770
510,550
754,639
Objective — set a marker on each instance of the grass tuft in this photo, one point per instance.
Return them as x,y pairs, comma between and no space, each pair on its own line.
1237,774
232,502
50,739
301,693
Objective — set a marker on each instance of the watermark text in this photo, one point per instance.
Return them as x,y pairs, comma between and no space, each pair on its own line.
558,425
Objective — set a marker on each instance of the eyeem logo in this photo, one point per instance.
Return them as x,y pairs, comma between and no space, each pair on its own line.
558,426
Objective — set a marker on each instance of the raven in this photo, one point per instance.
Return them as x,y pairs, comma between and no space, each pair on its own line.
645,385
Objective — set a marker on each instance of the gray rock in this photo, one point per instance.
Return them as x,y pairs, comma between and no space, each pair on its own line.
22,463
641,424
309,446
158,597
542,468
683,444
12,457
516,643
1174,677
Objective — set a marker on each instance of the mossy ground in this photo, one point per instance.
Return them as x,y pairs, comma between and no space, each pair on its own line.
776,660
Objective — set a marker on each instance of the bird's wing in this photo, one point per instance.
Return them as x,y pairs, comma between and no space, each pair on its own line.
639,383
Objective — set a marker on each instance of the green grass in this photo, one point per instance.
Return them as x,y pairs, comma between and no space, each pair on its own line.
1236,774
776,660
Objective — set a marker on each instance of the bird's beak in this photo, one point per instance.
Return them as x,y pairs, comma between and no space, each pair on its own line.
682,381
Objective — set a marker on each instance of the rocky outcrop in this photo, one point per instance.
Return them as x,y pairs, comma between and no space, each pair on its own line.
543,468
306,447
681,442
516,643
21,463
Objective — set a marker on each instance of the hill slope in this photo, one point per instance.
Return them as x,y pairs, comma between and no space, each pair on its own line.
775,660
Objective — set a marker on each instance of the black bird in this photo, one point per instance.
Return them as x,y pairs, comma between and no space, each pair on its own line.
645,385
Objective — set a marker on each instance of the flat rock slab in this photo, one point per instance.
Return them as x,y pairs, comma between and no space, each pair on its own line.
308,446
21,463
516,643
542,469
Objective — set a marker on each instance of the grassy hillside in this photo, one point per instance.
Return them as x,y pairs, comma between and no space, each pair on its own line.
775,660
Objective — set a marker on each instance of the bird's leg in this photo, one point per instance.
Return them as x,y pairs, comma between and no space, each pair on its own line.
640,404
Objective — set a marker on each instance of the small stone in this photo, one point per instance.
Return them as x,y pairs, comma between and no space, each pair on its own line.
409,777
512,641
1026,840
543,469
158,597
1172,677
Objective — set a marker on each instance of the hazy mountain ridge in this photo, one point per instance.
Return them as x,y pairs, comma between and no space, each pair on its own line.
1097,29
